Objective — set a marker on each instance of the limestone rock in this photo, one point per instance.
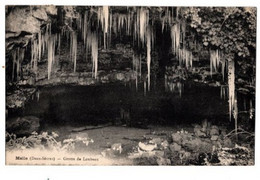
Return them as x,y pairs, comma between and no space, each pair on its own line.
40,14
20,19
214,131
175,147
228,143
51,9
165,144
197,145
176,137
163,161
156,141
147,147
214,138
117,148
120,76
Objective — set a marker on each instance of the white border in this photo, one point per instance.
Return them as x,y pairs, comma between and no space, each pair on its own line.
115,172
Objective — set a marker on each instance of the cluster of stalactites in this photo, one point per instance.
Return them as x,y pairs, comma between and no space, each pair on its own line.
169,17
90,39
122,22
185,57
103,17
92,45
217,58
214,60
18,57
39,45
178,36
175,37
53,40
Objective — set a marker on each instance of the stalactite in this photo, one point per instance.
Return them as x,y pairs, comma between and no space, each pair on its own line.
215,59
94,53
14,62
148,47
38,95
18,62
144,88
51,54
175,36
103,16
92,45
143,20
168,18
59,41
74,49
185,57
35,48
140,60
39,45
231,91
85,27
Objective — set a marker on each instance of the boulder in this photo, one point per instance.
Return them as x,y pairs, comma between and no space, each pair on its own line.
156,141
197,145
21,19
117,148
23,125
51,9
165,144
228,143
214,138
214,131
163,161
175,147
147,147
120,76
199,133
176,137
40,14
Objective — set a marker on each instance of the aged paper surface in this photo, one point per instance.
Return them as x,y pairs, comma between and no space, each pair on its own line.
117,142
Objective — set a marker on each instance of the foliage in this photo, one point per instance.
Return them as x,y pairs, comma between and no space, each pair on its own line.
231,29
43,141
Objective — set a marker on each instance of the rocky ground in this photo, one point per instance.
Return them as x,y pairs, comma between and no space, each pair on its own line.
203,144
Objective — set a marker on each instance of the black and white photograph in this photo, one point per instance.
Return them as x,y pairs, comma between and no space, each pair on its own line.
130,85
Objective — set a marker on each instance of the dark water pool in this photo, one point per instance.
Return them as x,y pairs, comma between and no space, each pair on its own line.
173,103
